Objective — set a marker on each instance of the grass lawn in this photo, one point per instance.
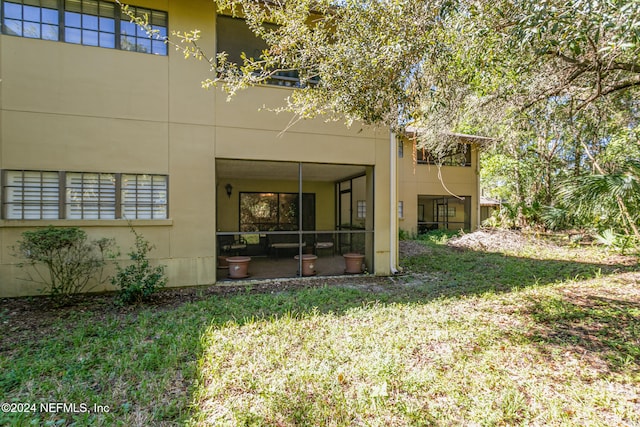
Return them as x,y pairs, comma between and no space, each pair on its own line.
538,336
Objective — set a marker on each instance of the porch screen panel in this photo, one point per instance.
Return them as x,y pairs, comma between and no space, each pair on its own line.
235,37
288,211
459,156
467,213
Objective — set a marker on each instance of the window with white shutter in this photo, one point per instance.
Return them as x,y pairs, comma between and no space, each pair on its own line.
144,196
90,195
31,195
83,195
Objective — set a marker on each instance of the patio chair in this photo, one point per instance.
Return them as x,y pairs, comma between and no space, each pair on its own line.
232,245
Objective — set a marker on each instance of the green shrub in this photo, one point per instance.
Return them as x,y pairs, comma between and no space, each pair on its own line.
139,280
404,235
620,243
70,260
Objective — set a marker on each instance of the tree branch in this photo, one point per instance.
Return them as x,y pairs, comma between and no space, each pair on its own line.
625,66
626,84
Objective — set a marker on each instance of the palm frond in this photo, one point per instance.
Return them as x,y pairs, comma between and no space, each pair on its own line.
599,195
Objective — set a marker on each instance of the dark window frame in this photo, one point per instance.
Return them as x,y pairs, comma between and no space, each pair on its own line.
77,31
424,157
253,48
279,224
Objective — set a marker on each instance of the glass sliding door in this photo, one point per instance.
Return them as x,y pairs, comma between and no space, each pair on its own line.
444,213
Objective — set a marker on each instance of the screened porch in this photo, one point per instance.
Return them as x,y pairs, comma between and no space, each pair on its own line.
281,213
443,213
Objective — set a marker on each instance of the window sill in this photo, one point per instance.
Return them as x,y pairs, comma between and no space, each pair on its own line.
7,223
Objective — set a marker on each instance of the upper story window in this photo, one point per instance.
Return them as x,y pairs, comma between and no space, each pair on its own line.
86,22
235,38
133,37
459,157
33,19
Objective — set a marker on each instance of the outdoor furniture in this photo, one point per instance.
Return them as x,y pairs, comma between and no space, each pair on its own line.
324,241
278,242
232,245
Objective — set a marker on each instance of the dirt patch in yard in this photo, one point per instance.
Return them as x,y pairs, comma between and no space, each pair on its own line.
517,242
410,248
497,240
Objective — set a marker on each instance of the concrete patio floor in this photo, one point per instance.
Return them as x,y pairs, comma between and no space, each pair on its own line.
263,267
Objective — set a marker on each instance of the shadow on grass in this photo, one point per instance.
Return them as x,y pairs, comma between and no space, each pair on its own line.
591,325
90,357
605,326
457,272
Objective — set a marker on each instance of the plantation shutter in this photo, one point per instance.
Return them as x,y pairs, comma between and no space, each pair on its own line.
144,196
32,195
91,196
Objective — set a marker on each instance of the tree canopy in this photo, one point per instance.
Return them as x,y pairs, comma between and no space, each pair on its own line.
439,64
556,81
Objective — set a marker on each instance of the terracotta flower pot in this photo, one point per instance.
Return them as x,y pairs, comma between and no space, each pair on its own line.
222,261
308,264
238,267
353,263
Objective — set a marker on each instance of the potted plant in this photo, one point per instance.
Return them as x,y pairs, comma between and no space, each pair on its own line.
354,263
238,267
308,264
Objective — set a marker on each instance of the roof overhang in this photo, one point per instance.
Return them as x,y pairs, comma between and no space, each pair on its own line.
412,132
265,170
488,201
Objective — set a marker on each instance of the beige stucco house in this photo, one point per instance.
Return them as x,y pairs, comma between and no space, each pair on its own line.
103,128
439,194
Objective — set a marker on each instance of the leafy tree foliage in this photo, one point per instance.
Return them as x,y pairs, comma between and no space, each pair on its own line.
555,81
397,62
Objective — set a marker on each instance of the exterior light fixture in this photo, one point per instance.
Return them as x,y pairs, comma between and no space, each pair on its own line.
229,188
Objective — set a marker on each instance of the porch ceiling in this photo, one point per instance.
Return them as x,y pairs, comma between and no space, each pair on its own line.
268,170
